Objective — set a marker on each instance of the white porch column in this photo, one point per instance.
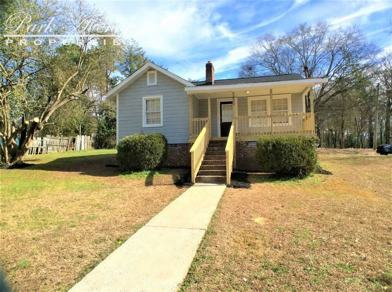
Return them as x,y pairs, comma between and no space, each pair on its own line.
270,110
312,117
235,99
235,129
209,116
312,100
190,111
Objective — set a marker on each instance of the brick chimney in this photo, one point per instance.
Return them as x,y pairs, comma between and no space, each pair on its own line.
210,78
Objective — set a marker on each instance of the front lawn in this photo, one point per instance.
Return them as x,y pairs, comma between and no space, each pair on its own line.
323,233
62,216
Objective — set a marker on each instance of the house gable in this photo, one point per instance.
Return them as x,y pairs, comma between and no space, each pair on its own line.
141,72
174,108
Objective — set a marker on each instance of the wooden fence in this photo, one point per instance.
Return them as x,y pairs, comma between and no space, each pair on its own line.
50,144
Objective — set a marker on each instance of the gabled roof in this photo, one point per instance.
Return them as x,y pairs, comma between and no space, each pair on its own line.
257,79
148,65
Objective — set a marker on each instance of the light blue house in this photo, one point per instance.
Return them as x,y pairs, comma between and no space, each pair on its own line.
211,125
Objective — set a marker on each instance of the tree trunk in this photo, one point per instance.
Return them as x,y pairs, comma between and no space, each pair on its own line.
342,131
13,153
370,131
388,110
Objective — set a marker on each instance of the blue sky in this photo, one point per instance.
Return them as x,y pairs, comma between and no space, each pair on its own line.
183,35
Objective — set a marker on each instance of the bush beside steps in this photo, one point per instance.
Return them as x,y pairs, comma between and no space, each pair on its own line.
141,152
289,156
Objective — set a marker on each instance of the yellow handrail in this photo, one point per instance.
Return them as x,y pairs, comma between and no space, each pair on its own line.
198,150
230,148
197,125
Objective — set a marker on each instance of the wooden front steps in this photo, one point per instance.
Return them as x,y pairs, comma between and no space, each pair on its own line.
213,167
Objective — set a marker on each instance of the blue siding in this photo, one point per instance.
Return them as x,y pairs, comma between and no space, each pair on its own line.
175,109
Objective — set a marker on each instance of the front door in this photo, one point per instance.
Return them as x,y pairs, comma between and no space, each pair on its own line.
226,116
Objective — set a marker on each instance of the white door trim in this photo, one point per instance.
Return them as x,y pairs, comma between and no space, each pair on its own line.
218,101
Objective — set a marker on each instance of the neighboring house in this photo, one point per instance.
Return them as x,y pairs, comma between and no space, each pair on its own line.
228,114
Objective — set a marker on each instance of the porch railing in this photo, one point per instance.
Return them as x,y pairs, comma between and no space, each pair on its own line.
197,125
296,123
198,149
230,150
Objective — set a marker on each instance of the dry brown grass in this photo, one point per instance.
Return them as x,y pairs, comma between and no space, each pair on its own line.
63,216
327,232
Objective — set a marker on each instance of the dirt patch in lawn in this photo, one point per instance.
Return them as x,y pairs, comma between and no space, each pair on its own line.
63,216
327,232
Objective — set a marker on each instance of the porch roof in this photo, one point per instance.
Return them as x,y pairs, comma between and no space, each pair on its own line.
255,79
233,87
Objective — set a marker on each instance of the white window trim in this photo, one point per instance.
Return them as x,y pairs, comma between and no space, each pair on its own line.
154,73
250,99
269,107
145,125
288,97
117,119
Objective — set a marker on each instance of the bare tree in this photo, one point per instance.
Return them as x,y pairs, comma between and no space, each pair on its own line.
385,78
322,51
314,51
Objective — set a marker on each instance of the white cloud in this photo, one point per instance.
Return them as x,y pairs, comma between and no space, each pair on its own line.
196,70
296,4
232,58
168,28
386,51
361,12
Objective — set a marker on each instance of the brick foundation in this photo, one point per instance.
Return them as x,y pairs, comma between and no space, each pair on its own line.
246,156
178,155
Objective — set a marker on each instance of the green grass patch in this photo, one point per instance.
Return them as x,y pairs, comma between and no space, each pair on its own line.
33,186
276,268
345,267
44,158
23,264
146,173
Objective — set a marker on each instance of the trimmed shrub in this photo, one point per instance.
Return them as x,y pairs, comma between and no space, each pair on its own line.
287,155
142,152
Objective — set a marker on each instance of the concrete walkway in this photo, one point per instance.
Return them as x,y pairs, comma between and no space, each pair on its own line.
157,257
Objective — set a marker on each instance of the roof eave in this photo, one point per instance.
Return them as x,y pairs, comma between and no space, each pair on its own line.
218,88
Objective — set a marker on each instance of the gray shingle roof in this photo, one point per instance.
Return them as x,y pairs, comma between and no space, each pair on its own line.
258,79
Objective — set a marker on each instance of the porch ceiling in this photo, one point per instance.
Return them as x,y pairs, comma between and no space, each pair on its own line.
251,92
252,89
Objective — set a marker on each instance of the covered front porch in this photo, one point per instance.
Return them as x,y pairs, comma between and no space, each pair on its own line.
252,113
236,111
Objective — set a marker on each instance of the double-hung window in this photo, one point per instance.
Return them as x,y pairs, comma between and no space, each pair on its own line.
258,112
280,110
152,111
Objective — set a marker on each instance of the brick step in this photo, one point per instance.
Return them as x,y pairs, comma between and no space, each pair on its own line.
214,179
208,152
216,148
213,167
215,157
212,172
223,146
213,162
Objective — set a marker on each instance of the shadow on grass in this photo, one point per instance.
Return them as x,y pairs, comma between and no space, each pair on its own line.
177,176
94,165
244,179
105,165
